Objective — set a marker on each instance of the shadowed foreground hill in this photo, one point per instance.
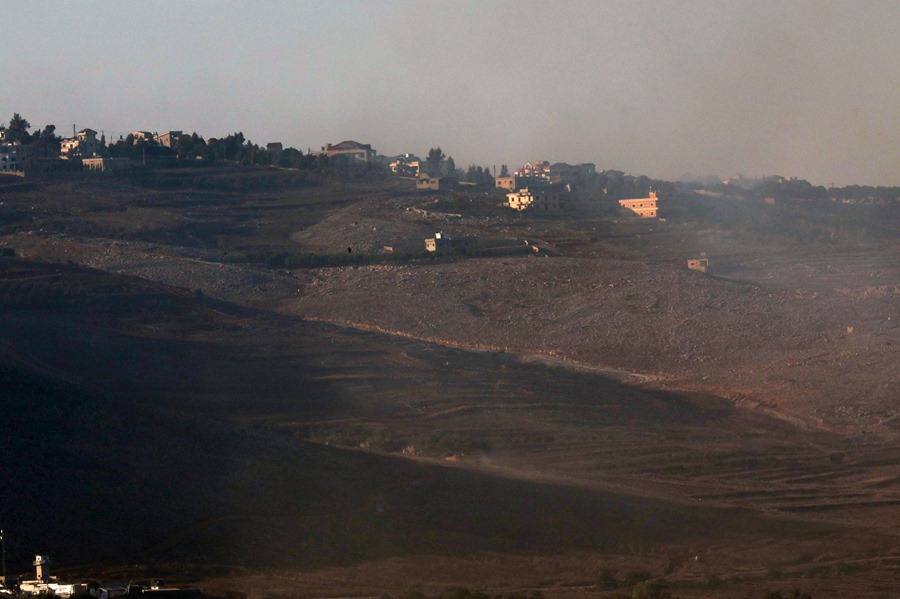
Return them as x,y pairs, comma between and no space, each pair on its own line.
131,432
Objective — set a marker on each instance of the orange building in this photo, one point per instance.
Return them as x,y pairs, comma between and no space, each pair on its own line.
643,207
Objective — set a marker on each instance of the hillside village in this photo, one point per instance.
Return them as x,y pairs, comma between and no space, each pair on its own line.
375,318
539,186
538,189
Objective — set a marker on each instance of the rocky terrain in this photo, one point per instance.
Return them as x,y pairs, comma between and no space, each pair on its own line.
400,421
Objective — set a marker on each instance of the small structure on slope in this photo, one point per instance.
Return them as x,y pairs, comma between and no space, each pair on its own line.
700,264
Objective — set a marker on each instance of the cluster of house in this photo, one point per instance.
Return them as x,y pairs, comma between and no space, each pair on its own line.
404,165
536,186
547,184
83,145
408,165
45,585
542,170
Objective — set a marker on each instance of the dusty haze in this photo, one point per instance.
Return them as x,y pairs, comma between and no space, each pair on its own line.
807,89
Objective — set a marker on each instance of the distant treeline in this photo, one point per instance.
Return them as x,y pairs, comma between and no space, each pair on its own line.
825,221
781,188
234,148
206,176
188,149
865,193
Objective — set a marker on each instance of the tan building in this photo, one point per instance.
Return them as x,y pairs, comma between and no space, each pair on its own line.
508,183
141,136
167,139
352,149
428,182
441,242
100,164
543,200
643,207
433,244
700,264
275,150
83,145
539,169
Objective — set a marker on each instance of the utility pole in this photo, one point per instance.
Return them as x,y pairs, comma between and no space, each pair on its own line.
3,543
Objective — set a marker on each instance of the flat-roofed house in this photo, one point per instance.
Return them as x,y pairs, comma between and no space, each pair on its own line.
643,207
701,264
543,200
83,145
351,149
426,181
275,150
168,139
103,164
508,183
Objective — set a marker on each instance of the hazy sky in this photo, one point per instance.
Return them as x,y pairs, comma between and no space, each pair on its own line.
663,88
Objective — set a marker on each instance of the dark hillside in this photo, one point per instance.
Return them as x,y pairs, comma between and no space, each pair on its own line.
120,443
174,394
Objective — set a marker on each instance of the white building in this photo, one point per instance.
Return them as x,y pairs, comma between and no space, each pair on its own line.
12,157
83,145
46,584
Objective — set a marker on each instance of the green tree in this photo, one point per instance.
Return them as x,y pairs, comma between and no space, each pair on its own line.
434,161
18,129
450,169
650,590
47,143
504,171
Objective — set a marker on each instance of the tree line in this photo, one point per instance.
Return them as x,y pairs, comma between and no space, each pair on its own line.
437,164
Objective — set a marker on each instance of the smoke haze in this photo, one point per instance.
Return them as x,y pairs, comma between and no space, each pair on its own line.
807,89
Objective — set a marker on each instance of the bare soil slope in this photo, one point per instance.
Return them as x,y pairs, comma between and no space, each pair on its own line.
187,404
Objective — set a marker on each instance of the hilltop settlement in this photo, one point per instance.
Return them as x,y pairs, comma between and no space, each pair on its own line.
329,372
